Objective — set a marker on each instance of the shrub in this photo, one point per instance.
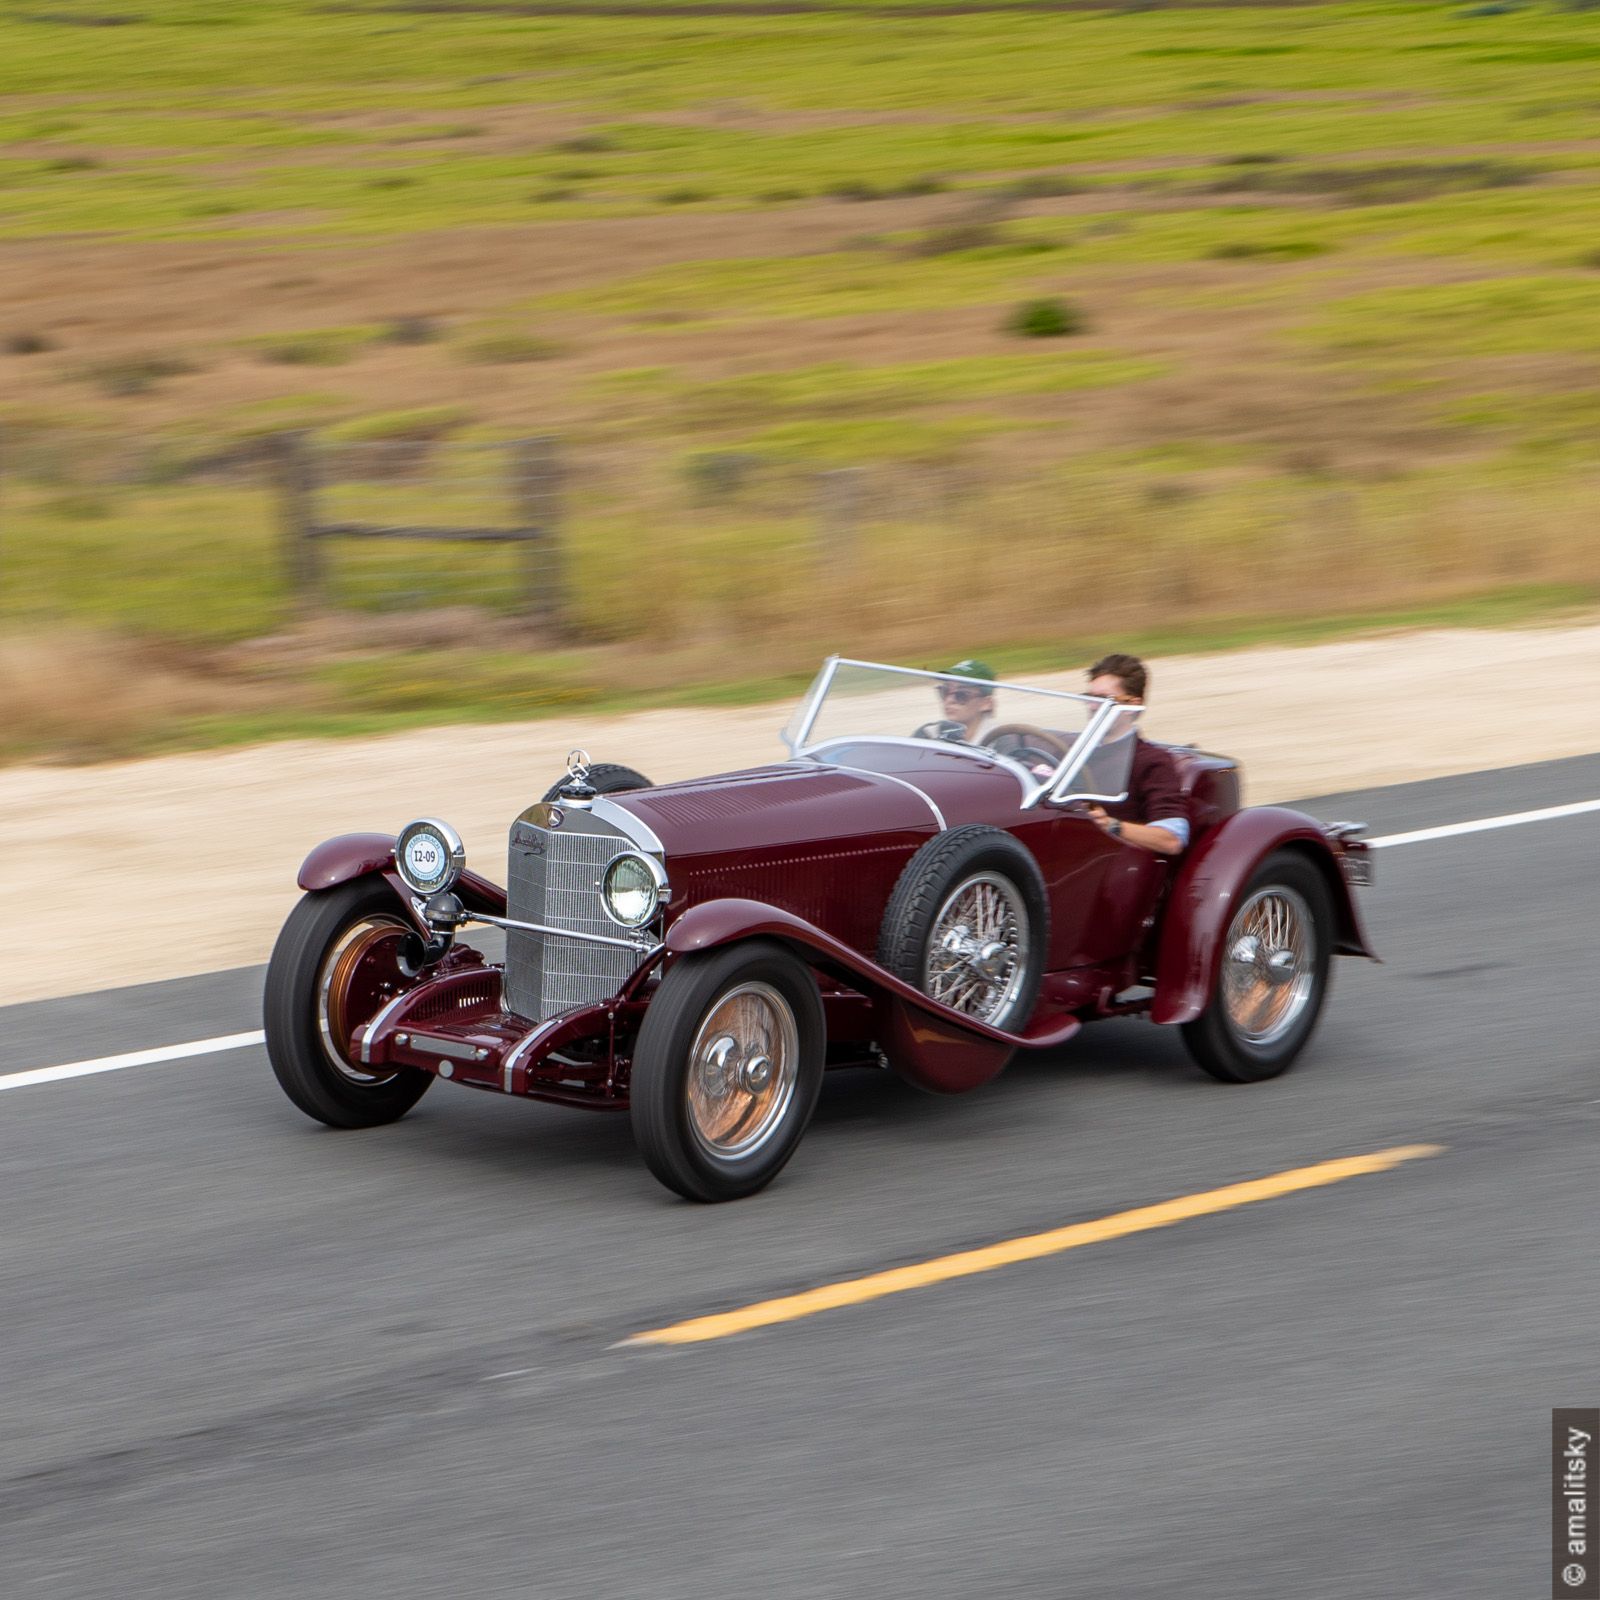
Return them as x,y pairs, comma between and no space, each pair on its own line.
72,164
131,375
504,349
852,189
1378,184
780,197
1267,250
1045,319
928,183
953,238
323,347
720,474
28,344
410,330
585,144
554,195
685,197
391,180
1044,186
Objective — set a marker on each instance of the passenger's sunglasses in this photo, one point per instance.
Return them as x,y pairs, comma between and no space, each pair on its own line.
956,695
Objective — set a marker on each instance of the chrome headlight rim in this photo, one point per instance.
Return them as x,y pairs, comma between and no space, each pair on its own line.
654,902
453,853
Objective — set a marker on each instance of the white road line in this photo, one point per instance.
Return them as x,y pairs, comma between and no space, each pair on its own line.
133,1058
1514,819
244,1041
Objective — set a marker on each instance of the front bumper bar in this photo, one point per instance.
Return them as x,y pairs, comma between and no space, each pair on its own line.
455,1026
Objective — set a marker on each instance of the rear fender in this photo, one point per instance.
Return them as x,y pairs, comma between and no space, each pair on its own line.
931,1045
1207,887
355,855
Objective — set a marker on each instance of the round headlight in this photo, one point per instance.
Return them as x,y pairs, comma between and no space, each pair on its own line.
633,889
429,856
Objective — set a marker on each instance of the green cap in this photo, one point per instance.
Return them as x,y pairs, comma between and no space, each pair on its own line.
972,669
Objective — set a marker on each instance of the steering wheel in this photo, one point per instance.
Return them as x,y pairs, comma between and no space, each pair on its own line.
942,728
1023,742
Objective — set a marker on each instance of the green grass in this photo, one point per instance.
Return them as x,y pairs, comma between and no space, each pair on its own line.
1393,201
841,392
1492,317
1101,86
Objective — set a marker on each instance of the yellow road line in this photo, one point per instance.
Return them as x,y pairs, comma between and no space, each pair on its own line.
919,1275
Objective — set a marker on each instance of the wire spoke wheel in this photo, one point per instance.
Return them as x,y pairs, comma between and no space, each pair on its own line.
360,973
1268,965
743,1067
977,953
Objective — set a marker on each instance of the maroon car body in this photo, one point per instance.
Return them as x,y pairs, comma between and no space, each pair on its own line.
805,855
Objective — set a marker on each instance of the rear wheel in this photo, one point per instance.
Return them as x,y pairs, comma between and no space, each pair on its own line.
335,965
1273,975
727,1069
605,777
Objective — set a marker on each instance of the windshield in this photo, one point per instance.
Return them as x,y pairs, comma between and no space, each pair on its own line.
1072,744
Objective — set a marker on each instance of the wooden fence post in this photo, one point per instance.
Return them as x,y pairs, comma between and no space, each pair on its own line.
294,470
536,486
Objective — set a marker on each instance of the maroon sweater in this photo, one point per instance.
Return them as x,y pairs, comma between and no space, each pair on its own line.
1154,792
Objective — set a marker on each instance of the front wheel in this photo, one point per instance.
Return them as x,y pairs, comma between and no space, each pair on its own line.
335,965
727,1069
1273,975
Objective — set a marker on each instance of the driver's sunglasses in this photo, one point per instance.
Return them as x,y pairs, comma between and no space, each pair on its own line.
954,693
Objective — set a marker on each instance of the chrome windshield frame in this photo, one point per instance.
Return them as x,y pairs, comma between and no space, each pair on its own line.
1057,787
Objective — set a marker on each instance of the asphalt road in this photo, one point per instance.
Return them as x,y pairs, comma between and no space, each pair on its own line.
248,1356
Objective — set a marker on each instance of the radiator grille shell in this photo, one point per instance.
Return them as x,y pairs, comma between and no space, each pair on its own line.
553,877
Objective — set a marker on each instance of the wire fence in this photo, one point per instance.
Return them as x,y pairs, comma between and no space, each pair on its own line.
610,542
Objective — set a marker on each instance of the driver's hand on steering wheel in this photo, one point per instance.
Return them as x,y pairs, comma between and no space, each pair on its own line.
1099,817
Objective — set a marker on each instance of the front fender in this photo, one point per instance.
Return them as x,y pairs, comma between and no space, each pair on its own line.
1206,888
353,855
933,1046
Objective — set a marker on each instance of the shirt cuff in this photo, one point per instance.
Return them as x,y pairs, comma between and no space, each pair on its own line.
1178,827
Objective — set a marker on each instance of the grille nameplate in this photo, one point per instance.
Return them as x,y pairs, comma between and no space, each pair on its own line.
554,878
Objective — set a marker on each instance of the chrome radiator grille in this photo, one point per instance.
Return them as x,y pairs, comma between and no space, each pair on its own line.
554,878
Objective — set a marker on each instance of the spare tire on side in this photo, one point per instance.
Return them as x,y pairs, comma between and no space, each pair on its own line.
969,925
606,777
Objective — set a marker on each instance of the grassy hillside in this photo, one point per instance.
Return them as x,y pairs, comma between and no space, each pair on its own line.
1325,281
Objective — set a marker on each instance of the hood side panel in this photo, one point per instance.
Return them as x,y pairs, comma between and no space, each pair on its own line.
821,843
841,887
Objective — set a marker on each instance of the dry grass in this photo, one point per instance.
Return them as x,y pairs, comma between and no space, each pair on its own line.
75,694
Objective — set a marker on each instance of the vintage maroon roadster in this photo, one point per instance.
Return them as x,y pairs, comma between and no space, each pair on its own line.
892,895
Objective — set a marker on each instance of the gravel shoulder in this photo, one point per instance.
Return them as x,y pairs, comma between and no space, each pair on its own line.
164,868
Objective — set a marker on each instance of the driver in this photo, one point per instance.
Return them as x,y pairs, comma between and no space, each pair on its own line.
1153,816
969,705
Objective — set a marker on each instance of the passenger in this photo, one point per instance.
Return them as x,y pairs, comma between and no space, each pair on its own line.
968,704
1152,816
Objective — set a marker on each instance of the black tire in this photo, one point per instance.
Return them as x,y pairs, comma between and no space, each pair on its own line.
1215,1039
932,875
672,1141
302,1058
605,777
